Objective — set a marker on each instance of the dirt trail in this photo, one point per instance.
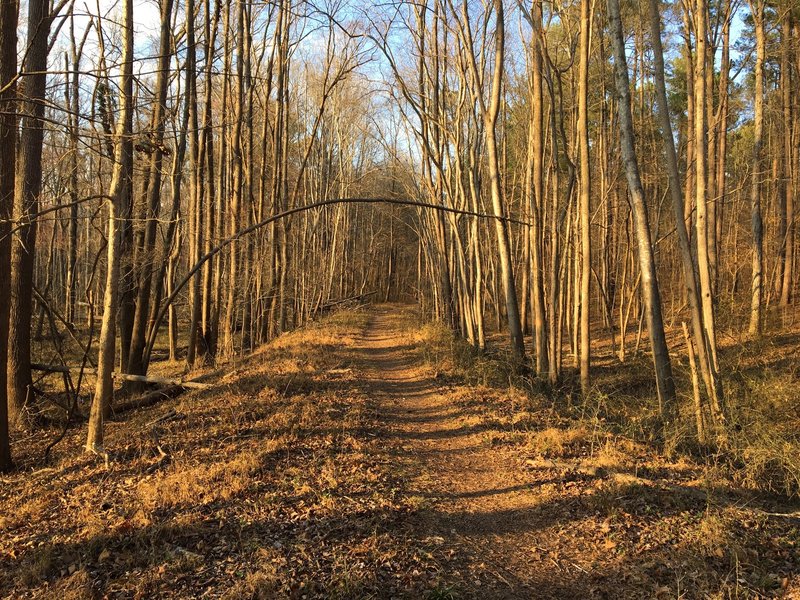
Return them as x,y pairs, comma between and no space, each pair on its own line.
476,497
332,463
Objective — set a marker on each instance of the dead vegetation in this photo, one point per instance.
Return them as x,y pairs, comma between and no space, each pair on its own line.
294,477
622,516
271,489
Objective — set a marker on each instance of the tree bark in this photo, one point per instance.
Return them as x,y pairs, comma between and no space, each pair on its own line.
490,114
788,180
117,207
756,223
8,136
665,385
585,191
537,201
153,200
701,341
28,186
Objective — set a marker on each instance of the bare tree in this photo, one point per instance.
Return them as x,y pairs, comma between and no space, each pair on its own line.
665,385
117,208
756,223
8,134
702,341
490,111
26,202
146,250
786,233
585,193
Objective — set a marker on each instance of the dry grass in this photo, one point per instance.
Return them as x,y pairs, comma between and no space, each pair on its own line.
552,442
448,354
185,484
278,483
649,518
762,384
271,487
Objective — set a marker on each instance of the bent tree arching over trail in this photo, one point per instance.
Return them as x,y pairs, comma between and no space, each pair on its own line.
582,202
255,227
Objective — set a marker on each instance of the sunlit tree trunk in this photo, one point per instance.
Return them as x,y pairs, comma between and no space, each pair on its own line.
236,186
756,223
789,182
585,191
701,341
537,199
490,112
665,384
195,200
700,179
117,207
722,122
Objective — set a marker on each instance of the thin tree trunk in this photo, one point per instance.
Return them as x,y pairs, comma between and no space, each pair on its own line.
8,135
702,342
490,115
756,223
537,202
136,364
788,180
585,190
195,216
665,385
700,179
117,206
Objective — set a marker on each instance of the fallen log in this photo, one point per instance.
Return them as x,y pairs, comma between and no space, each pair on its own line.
176,381
356,298
156,396
148,399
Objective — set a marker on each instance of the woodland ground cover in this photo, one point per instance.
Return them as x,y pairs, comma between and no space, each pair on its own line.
368,456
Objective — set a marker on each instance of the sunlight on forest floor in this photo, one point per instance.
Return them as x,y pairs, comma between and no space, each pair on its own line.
367,456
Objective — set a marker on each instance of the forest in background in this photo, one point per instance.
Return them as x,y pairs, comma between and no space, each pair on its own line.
579,174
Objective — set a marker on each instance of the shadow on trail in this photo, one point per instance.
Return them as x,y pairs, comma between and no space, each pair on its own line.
311,536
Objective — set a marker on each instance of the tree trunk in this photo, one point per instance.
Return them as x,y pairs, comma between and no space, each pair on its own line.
8,135
537,201
196,189
585,190
28,186
756,224
702,342
117,206
701,177
136,364
788,181
490,114
665,385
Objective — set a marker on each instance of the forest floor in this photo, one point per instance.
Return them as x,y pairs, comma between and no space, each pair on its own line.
342,461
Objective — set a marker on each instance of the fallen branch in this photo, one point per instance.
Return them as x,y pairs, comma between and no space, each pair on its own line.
356,298
158,395
176,381
148,399
171,415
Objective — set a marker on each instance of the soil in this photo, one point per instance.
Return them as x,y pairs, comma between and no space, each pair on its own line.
338,462
555,528
478,499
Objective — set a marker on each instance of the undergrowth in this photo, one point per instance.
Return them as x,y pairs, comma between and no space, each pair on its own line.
265,486
763,427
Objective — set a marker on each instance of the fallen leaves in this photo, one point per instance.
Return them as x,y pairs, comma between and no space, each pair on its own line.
283,484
